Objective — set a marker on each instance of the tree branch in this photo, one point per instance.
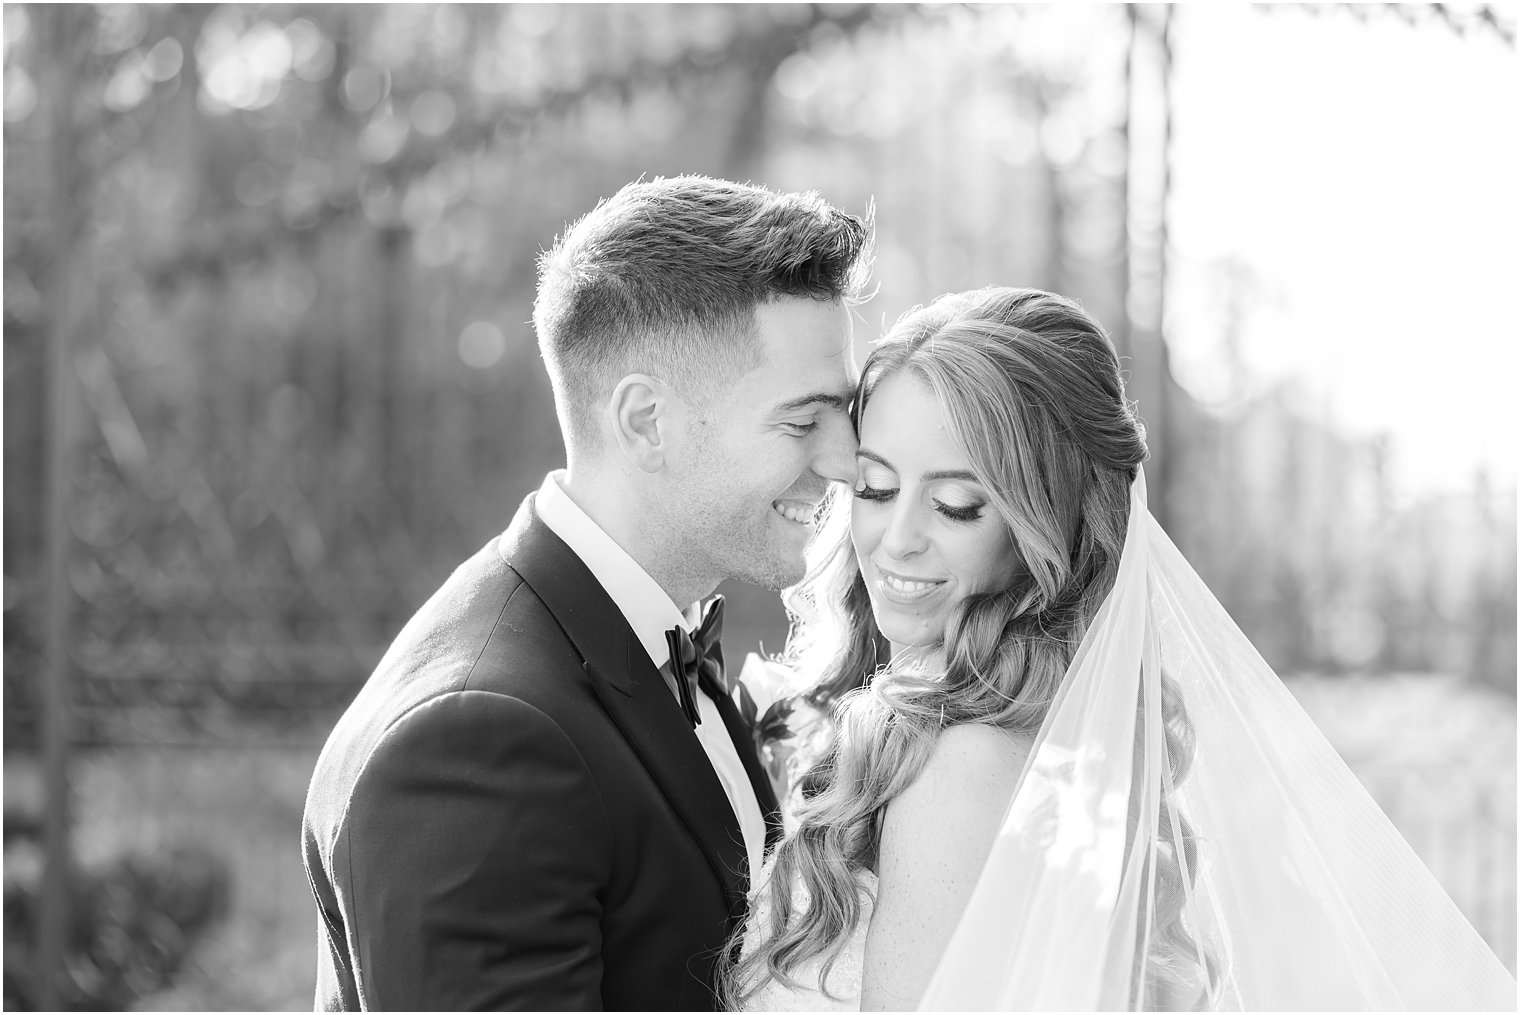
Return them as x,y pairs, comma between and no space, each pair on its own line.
233,238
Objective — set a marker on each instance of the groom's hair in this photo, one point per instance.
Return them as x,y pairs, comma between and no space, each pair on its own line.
664,278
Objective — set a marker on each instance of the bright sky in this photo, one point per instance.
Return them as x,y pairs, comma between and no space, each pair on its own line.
1369,177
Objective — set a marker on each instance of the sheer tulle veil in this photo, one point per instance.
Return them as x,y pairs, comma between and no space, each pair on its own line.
1261,876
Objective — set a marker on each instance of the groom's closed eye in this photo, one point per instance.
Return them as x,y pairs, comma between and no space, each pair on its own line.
805,412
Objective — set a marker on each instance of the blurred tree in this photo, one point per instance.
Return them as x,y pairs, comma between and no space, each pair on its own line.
311,387
286,257
68,293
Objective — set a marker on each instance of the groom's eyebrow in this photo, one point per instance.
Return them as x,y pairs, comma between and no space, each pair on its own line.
831,399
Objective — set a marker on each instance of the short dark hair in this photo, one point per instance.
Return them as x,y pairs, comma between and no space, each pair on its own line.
665,277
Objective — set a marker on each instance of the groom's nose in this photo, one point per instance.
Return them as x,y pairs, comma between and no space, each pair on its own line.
834,450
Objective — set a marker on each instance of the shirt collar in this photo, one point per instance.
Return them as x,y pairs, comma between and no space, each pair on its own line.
648,609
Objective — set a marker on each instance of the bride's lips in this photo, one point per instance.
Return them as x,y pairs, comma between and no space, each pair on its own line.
906,590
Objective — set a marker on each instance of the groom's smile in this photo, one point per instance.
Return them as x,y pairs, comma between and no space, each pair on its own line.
778,438
801,512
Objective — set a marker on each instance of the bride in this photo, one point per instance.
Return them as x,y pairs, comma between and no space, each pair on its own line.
1050,772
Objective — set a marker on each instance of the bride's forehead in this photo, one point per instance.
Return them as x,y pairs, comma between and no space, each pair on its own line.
903,401
904,426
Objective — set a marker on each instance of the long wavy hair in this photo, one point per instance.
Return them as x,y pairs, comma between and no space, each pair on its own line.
1031,390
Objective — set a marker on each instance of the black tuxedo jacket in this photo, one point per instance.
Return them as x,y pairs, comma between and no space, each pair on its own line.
515,814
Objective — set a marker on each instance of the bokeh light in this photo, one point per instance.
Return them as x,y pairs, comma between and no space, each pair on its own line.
290,253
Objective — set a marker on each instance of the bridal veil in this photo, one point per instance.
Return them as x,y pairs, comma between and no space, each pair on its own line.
1216,856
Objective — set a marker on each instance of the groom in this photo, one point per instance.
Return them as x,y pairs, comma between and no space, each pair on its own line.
531,804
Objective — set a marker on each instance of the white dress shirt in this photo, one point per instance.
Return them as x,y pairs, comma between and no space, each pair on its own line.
650,612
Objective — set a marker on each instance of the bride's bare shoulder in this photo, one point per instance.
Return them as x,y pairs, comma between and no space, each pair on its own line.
985,733
979,743
971,759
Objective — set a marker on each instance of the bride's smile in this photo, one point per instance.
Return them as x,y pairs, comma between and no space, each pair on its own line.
924,527
907,591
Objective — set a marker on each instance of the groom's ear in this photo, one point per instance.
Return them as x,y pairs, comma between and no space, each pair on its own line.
645,411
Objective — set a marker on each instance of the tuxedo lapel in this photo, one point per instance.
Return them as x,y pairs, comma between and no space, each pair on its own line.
744,743
633,692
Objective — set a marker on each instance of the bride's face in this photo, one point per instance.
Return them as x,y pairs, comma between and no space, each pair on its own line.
924,530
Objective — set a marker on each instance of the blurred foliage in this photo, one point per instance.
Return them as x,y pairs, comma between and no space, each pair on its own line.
134,922
298,259
290,251
304,268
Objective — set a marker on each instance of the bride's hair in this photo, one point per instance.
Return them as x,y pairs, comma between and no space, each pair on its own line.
1031,391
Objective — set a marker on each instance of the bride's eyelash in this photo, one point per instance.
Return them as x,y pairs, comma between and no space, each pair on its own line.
960,514
970,513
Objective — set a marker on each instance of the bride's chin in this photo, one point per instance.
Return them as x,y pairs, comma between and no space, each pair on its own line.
909,638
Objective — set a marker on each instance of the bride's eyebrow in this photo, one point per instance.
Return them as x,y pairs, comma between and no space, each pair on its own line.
928,477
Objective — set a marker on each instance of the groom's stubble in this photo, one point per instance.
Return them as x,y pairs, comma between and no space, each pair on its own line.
733,531
774,431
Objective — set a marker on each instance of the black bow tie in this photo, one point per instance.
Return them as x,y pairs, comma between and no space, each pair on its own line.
696,659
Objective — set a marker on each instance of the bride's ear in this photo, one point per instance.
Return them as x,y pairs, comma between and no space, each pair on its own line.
645,415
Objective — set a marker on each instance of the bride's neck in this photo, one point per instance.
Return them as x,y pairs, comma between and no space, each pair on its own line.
918,658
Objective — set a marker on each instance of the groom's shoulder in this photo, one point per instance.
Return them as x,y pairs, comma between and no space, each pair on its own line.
485,628
484,636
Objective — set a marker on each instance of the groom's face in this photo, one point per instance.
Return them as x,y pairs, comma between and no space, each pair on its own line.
770,444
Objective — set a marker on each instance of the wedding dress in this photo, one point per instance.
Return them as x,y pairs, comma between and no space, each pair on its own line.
1218,855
